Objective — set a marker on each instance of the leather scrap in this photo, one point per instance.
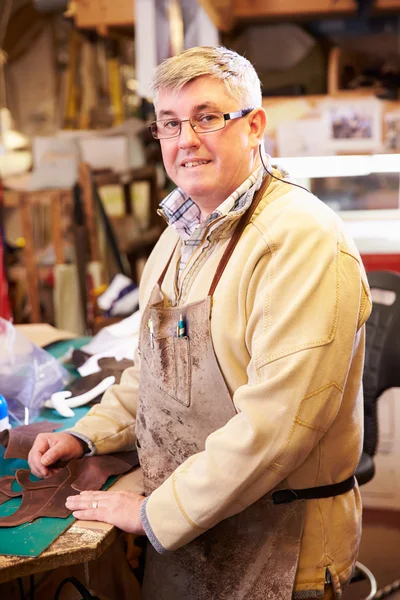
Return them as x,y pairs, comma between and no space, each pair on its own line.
46,498
108,366
79,357
19,440
6,491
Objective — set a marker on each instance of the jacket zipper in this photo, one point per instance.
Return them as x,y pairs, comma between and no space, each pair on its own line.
328,578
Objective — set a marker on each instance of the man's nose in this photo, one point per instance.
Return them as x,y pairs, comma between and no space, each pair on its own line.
188,137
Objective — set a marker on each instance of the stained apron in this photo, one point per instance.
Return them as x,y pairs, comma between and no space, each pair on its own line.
183,398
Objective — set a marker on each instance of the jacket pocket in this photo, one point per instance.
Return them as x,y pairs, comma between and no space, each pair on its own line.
170,366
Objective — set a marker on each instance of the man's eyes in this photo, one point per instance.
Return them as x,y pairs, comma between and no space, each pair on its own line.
203,118
172,124
207,118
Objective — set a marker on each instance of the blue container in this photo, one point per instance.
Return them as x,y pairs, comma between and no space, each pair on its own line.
4,420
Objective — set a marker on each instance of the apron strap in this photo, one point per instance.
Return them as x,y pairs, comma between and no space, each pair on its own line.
244,220
161,278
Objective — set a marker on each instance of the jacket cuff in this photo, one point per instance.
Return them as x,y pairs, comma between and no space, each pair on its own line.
168,520
91,447
149,530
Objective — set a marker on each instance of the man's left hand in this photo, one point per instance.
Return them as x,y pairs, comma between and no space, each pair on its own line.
121,509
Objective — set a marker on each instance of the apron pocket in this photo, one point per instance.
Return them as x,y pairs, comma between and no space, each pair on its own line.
182,369
169,363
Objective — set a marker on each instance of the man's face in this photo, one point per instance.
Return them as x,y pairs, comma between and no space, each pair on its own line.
227,156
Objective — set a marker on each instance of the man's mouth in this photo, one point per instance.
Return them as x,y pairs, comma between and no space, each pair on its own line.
194,163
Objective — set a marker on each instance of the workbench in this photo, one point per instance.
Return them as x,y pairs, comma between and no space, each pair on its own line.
83,542
80,544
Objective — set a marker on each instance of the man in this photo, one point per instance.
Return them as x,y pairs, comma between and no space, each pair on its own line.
247,383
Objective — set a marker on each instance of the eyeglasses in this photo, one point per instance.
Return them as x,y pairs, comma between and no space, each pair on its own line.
200,123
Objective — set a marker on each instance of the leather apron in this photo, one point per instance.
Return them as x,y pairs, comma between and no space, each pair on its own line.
183,398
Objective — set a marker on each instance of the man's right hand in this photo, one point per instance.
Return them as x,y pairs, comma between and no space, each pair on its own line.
49,448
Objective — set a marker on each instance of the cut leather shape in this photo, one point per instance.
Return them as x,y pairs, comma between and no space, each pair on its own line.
46,498
6,491
79,357
108,366
19,440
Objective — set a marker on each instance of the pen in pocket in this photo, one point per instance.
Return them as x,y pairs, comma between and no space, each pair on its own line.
151,328
181,328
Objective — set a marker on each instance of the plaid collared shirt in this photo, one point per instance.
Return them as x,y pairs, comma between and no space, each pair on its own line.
183,214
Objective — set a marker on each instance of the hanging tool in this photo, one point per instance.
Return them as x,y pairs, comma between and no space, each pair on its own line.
63,403
114,81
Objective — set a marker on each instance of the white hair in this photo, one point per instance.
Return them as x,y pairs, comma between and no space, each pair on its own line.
235,71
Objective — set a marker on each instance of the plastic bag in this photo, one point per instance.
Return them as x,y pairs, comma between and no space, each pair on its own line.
28,374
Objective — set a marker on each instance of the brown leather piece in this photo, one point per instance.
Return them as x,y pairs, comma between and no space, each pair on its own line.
19,440
244,220
46,498
108,366
79,357
6,492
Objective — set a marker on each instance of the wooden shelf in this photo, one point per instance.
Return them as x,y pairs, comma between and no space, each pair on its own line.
100,14
226,13
250,9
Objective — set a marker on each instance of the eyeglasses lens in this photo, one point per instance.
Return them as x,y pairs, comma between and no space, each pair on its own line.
202,122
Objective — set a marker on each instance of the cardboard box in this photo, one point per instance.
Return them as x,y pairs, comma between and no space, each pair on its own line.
43,334
95,13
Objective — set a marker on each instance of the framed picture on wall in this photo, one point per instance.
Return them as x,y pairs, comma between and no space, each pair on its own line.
392,131
353,125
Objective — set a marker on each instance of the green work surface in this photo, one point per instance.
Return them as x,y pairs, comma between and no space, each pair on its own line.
31,539
58,349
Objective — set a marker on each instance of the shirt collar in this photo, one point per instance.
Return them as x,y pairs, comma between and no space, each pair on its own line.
183,214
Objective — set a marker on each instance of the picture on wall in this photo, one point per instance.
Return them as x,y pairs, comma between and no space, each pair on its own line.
353,125
392,131
304,137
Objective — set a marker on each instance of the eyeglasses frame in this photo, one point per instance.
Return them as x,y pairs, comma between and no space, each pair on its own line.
227,117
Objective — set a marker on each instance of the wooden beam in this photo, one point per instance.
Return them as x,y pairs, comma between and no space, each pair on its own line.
253,9
108,13
26,20
86,186
220,12
56,219
29,258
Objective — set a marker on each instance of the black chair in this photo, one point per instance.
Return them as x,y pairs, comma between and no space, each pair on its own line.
381,372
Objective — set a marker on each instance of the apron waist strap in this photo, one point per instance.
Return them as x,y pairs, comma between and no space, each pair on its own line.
322,491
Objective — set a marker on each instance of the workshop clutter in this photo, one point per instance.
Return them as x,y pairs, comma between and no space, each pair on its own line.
28,374
120,298
5,310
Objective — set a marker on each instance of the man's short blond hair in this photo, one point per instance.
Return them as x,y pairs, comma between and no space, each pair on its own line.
235,71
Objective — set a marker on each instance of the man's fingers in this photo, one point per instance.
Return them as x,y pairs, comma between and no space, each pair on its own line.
38,449
88,501
39,470
52,455
88,506
41,444
35,457
93,514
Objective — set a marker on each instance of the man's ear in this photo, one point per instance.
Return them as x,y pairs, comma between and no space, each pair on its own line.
258,123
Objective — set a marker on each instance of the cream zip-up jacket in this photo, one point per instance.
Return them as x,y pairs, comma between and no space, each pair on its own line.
287,326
